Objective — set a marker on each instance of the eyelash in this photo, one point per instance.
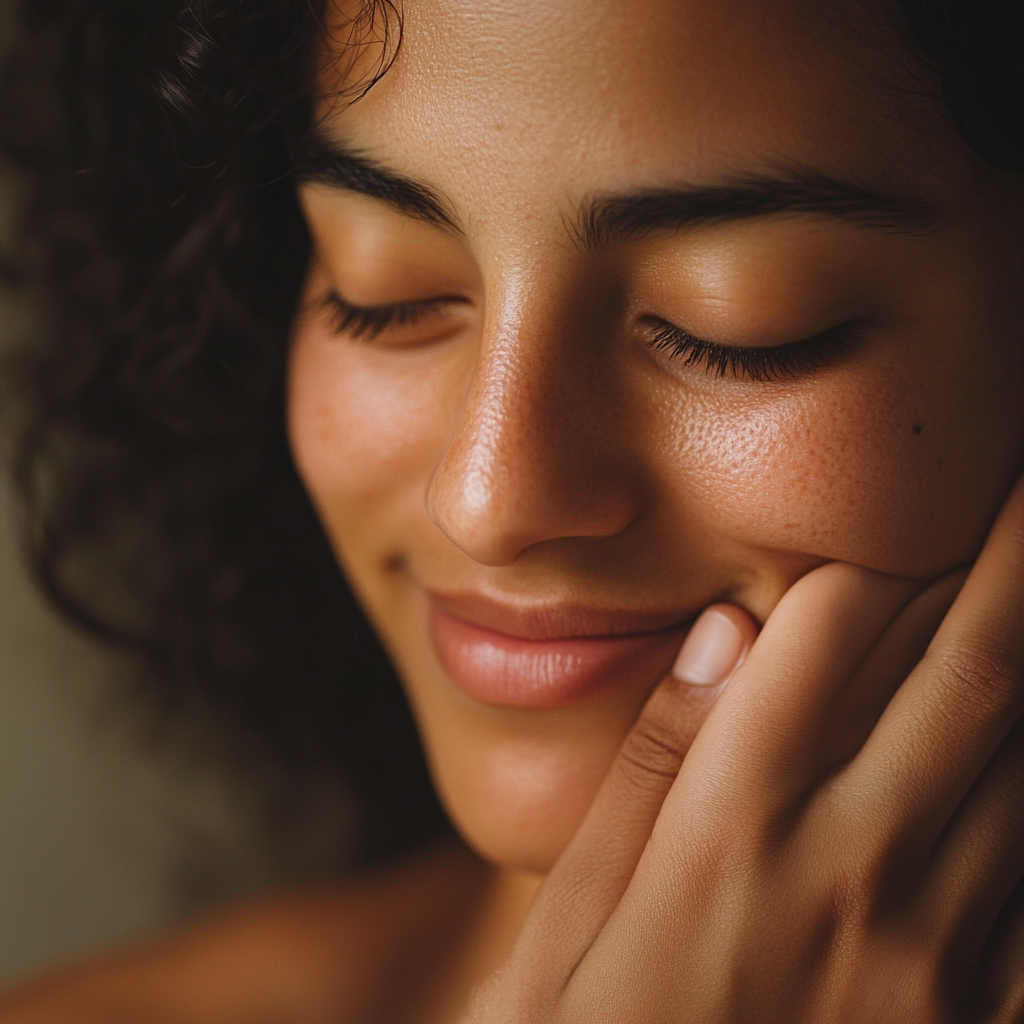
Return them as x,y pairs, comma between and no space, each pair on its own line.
371,321
769,363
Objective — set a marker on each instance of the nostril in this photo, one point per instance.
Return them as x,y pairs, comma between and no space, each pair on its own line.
495,516
462,502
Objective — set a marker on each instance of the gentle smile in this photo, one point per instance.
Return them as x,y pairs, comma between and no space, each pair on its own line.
549,658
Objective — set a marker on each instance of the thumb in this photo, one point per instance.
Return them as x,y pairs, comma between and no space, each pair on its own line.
592,874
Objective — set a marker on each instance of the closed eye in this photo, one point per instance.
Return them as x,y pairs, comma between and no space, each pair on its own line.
764,363
371,321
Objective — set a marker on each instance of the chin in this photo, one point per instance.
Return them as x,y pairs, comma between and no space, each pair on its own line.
518,804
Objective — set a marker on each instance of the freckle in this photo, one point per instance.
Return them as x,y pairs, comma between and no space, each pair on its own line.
916,428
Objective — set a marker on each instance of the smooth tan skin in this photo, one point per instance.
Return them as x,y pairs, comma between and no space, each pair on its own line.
524,442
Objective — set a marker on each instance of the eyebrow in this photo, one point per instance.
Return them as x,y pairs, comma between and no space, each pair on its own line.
615,218
327,163
607,218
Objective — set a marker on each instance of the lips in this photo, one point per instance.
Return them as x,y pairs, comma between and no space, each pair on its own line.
549,658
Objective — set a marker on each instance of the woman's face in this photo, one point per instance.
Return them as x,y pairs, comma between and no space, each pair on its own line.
688,297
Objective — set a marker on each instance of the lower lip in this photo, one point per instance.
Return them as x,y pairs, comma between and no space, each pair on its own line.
544,674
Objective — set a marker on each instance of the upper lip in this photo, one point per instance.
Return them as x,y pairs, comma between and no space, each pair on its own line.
562,620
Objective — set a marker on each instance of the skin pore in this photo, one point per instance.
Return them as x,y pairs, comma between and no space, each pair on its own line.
616,312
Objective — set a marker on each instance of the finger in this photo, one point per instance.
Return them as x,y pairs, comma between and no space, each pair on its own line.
1003,971
593,872
887,665
770,736
979,860
955,709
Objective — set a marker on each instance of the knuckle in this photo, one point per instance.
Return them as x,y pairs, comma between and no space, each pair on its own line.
980,674
873,938
863,880
854,902
889,976
653,751
916,992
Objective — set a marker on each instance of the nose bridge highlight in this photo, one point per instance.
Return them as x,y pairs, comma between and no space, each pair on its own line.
528,461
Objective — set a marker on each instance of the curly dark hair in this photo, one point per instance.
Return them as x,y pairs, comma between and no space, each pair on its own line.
163,236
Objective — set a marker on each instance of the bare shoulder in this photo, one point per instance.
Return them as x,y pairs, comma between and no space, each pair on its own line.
344,952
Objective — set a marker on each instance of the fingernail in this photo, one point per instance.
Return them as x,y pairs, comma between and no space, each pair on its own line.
711,652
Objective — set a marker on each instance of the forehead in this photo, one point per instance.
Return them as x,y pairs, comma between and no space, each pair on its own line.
512,100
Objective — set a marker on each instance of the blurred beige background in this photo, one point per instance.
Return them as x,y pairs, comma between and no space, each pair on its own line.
85,860
107,836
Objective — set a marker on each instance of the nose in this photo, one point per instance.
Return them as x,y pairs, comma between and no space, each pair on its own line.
540,448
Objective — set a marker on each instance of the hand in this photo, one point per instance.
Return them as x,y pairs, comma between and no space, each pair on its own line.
843,842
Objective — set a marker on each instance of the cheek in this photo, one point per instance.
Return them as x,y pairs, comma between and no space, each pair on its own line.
366,426
902,479
827,476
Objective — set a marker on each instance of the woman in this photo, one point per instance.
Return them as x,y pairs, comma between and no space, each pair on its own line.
655,373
